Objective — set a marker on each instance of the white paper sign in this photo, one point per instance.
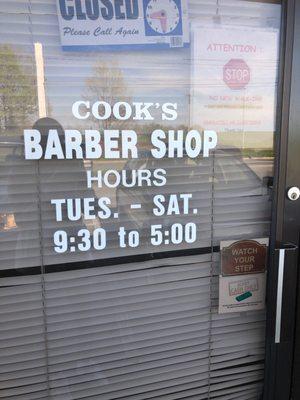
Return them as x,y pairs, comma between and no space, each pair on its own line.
242,293
88,25
234,79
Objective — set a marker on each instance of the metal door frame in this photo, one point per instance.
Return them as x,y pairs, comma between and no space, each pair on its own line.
283,330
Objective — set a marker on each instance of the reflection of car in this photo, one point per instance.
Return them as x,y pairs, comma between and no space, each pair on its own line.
220,184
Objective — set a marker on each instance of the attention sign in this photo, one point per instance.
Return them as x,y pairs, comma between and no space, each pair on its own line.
233,81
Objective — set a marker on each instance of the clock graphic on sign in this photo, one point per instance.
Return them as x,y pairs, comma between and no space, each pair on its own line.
162,17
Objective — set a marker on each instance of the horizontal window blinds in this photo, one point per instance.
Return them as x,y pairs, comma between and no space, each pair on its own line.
141,330
23,355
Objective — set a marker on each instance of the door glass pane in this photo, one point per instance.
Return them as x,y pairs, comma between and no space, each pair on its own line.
135,148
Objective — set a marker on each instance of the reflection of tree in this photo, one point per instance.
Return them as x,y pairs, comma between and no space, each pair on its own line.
17,91
107,84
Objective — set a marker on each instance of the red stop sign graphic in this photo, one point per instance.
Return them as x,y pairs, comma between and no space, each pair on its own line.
236,74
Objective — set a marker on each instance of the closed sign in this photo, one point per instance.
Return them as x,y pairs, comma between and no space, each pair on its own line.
103,25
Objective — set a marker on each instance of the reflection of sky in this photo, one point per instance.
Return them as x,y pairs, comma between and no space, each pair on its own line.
155,77
150,76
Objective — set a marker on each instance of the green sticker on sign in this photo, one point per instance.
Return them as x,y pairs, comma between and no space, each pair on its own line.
243,296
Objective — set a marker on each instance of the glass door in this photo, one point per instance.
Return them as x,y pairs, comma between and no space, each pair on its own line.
137,150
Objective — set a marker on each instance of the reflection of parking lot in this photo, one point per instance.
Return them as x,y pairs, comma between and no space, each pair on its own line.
261,166
226,176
